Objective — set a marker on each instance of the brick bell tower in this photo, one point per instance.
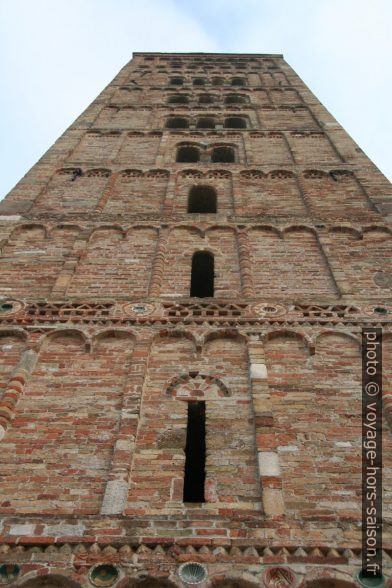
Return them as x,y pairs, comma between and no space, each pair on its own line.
184,279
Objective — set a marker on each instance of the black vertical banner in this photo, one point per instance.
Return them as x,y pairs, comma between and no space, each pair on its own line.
371,454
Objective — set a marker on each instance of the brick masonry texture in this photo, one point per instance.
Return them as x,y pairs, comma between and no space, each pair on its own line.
102,347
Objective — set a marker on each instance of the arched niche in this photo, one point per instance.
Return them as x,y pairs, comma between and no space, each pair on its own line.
188,154
50,581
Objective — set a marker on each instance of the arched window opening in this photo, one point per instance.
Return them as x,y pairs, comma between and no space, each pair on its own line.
199,82
223,155
206,123
187,154
206,99
234,99
176,81
238,82
177,122
202,199
235,122
178,99
202,277
195,453
217,81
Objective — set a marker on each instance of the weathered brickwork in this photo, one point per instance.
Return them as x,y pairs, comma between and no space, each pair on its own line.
104,342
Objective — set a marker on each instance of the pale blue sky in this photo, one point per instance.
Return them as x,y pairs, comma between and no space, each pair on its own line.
57,55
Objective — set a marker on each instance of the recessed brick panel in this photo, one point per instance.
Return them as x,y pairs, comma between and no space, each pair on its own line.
63,434
278,260
72,190
231,471
31,260
363,259
139,150
268,148
275,193
128,276
319,449
123,118
138,191
97,148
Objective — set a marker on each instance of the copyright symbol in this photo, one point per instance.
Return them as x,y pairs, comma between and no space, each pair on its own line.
372,389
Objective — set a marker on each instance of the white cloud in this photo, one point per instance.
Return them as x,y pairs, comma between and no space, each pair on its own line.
57,56
341,49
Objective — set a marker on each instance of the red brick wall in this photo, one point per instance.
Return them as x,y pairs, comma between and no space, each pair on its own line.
317,407
115,264
32,260
65,428
231,471
96,247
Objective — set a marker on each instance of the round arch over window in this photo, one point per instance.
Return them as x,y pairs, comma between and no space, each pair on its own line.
202,199
235,122
177,122
178,99
188,154
206,122
206,99
235,99
223,155
238,82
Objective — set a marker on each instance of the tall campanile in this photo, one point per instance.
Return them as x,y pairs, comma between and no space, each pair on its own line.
185,275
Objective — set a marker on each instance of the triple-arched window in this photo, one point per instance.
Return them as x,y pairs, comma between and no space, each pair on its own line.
206,122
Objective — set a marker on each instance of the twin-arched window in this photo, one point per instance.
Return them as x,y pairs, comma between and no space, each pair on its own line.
191,154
